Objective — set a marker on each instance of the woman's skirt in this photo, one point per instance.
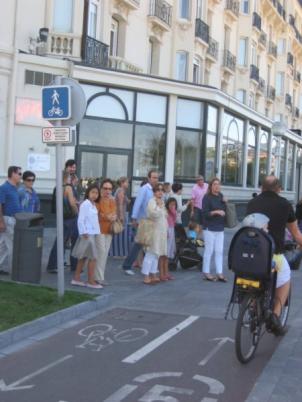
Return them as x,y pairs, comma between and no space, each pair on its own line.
121,242
171,243
85,248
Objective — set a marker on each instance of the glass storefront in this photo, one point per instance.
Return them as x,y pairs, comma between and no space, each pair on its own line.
251,156
263,157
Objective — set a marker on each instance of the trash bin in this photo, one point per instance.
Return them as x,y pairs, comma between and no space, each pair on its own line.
27,250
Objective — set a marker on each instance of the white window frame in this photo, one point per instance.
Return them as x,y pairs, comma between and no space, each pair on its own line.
182,3
197,70
243,5
181,54
57,12
242,52
114,33
92,25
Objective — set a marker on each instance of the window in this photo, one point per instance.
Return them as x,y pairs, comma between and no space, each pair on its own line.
290,167
62,15
181,66
199,12
184,6
282,162
38,78
197,70
211,138
114,33
153,65
241,95
242,59
92,18
279,117
274,158
263,156
279,83
251,156
232,150
281,46
245,6
254,55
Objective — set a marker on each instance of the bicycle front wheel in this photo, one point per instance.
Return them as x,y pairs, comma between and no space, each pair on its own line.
248,329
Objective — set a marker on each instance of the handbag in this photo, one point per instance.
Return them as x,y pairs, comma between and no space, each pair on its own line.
230,215
117,227
144,234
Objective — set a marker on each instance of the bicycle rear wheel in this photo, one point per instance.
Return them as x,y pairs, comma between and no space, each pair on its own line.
248,329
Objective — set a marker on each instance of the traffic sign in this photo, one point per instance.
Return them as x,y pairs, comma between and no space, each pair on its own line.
56,135
56,103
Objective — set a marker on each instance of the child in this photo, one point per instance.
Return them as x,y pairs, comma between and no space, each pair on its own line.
167,191
193,230
85,247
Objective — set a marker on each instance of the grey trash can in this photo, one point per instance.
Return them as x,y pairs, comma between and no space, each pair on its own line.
27,250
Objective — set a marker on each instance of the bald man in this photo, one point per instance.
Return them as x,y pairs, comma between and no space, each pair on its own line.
281,215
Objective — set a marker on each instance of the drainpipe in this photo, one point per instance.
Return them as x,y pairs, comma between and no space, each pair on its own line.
12,94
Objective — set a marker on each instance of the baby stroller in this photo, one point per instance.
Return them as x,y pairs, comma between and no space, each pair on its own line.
186,251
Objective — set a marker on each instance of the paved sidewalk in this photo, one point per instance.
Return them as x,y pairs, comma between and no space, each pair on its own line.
189,294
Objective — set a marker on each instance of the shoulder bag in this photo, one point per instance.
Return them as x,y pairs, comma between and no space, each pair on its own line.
144,234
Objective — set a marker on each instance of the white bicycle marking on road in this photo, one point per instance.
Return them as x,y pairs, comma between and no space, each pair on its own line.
213,352
15,385
100,336
145,350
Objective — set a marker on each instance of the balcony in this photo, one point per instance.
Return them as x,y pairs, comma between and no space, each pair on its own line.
201,30
229,61
288,100
290,59
297,76
291,20
64,44
256,21
212,50
130,4
119,63
254,73
272,49
261,86
160,14
280,10
232,9
94,52
270,93
296,113
279,14
262,39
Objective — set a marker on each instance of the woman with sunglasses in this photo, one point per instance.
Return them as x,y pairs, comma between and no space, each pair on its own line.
28,197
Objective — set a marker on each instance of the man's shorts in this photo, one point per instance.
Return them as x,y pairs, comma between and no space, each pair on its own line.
283,275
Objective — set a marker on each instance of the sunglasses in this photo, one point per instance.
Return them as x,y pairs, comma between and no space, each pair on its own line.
19,173
30,180
107,188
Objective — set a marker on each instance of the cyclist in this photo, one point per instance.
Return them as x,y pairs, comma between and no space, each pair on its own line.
281,215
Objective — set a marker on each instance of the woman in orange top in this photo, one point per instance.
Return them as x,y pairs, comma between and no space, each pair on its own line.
107,214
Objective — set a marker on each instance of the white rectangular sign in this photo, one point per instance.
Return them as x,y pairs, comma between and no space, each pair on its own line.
38,162
56,135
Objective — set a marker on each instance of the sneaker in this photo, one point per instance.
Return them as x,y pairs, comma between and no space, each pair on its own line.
94,286
129,272
77,283
274,325
52,271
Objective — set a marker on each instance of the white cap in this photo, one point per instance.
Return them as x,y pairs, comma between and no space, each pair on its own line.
256,221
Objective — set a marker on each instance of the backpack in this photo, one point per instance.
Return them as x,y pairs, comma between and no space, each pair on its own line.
251,253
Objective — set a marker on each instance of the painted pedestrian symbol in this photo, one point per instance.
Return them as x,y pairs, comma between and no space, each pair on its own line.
56,102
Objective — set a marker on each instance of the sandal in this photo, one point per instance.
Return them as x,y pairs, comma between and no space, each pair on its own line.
210,278
147,281
221,279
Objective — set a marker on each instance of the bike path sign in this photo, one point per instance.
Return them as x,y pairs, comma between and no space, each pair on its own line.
56,103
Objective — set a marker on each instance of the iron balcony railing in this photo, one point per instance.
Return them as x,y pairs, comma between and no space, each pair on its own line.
202,30
272,49
233,6
296,112
288,100
261,85
254,72
162,10
94,52
271,93
297,76
290,59
291,20
281,10
263,38
229,60
256,21
213,48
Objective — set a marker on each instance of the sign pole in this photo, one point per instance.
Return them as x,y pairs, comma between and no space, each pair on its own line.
59,210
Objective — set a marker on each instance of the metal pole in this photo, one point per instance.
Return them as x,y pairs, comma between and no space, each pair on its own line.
59,210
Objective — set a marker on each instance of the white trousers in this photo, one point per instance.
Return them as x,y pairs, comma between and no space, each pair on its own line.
150,264
213,242
6,244
103,242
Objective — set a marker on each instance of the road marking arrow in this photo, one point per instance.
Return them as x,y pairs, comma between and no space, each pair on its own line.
213,352
15,385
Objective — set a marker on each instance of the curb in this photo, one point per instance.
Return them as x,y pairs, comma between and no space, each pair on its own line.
20,333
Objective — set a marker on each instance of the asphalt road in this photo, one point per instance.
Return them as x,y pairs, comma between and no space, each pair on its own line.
134,355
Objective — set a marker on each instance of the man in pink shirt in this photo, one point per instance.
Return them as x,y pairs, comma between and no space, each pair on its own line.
198,192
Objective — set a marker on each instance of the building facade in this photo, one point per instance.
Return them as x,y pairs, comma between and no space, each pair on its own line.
183,86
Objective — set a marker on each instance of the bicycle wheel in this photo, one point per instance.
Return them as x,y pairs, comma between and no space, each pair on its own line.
285,310
248,328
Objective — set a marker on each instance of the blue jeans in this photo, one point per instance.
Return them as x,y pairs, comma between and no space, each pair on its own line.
132,256
70,228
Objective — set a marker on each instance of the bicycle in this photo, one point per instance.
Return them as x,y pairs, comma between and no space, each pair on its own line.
250,258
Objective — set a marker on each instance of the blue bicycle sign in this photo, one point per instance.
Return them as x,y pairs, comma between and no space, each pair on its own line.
56,102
